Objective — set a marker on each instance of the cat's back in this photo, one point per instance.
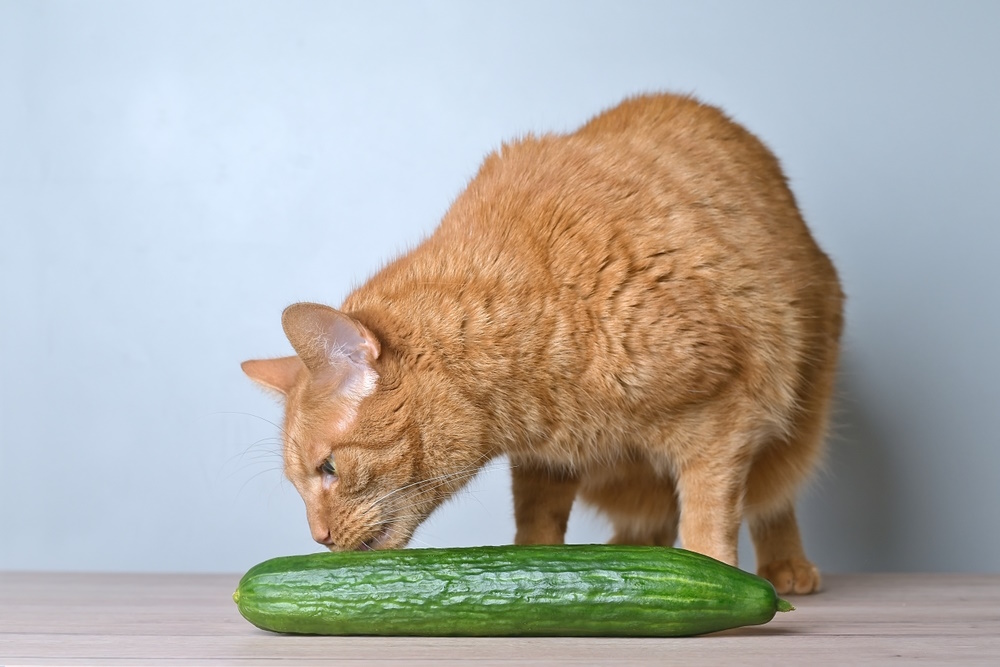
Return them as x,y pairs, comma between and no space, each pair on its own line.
696,158
657,172
664,115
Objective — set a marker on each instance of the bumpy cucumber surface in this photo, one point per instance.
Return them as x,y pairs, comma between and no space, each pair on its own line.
572,590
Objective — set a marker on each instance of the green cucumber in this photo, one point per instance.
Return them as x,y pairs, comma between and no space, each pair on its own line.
579,590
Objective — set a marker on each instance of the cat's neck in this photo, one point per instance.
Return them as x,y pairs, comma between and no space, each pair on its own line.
465,325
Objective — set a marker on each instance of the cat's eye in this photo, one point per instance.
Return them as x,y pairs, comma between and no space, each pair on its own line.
329,467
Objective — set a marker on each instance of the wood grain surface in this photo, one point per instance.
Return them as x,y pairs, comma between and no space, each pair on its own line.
165,619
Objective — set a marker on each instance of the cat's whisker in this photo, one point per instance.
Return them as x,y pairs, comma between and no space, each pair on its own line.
420,541
251,463
429,488
252,446
279,451
433,483
287,436
265,456
240,472
396,518
253,456
253,477
250,414
434,494
254,464
259,453
440,478
268,463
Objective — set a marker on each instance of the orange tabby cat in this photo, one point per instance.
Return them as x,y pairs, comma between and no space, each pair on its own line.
634,313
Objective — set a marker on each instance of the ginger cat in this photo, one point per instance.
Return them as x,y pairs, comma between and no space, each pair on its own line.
635,313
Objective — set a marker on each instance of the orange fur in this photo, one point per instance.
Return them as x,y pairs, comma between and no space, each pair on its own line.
634,313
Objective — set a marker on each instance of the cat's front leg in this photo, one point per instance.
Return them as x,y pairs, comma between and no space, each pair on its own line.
711,494
542,501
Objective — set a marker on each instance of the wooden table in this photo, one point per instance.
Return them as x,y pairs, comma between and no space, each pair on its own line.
117,619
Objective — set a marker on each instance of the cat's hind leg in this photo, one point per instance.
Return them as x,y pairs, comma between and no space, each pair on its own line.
543,499
780,556
780,468
775,476
641,505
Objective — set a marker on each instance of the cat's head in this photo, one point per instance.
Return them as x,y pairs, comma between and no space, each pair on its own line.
353,444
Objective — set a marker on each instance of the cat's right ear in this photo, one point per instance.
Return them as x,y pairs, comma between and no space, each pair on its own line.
329,341
275,374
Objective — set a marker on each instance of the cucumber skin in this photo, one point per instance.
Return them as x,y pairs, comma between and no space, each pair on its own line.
579,590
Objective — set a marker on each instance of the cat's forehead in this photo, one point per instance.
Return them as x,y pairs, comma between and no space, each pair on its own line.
316,420
309,422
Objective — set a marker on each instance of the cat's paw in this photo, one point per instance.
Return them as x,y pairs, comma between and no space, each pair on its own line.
794,575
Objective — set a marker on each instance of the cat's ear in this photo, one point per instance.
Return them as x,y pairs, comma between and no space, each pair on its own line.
327,339
276,374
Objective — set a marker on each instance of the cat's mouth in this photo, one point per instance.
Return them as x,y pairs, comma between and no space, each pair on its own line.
380,540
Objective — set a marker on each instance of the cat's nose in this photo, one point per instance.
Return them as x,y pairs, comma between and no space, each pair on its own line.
323,536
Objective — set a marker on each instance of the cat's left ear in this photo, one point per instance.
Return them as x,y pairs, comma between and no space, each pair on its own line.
278,375
327,339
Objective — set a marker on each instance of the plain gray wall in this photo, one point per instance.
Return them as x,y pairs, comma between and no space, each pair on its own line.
173,174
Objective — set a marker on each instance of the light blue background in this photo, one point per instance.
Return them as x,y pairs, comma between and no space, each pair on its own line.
173,174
